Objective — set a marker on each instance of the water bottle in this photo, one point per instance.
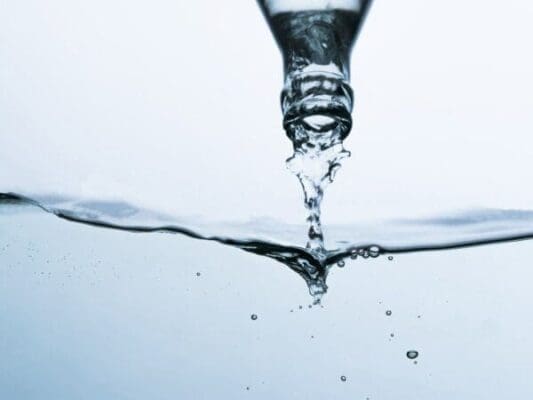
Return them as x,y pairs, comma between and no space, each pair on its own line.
316,38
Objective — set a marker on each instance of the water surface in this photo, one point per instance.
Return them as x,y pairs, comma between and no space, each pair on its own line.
279,241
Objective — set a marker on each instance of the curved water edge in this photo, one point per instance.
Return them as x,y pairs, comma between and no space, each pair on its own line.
276,240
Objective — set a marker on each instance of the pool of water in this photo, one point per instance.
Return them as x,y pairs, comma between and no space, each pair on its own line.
96,313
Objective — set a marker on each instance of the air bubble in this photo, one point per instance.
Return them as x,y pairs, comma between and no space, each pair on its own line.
253,317
343,378
390,258
388,313
412,354
374,251
341,264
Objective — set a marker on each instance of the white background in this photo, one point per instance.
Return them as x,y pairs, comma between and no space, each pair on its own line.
175,105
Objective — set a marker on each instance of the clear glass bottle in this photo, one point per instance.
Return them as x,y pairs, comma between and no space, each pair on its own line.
315,38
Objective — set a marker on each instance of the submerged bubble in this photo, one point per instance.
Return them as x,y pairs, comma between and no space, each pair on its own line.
341,264
253,317
412,354
388,313
198,274
343,378
353,255
390,258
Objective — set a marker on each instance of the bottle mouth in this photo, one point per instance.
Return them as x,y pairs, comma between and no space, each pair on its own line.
318,101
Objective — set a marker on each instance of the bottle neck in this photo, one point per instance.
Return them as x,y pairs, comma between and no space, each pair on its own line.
320,102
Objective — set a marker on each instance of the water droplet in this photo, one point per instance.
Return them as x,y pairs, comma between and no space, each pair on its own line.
253,317
390,258
388,313
341,264
343,378
412,354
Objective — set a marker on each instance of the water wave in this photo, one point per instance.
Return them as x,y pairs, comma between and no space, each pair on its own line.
279,241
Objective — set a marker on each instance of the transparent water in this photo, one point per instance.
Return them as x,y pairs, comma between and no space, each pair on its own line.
100,313
279,241
149,120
